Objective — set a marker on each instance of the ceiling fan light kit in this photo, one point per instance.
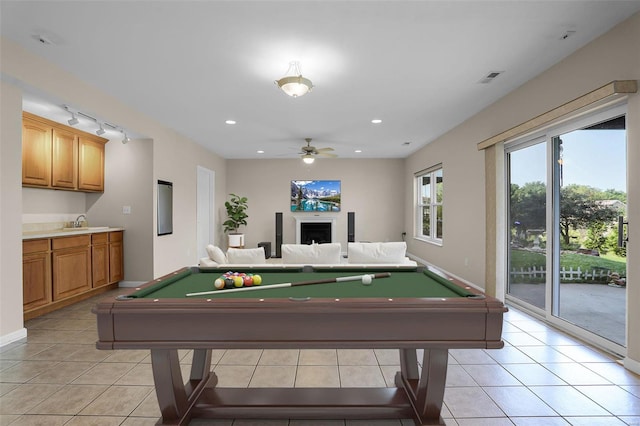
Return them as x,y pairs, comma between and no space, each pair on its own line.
293,83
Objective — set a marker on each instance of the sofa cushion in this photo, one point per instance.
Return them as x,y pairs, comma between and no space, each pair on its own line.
392,252
216,254
313,254
251,256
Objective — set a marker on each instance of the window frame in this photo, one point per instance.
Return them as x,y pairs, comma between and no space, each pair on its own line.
433,205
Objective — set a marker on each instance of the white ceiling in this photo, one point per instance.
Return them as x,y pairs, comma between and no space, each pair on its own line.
414,64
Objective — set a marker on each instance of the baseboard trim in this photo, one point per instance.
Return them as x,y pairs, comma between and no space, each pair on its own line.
129,284
13,337
632,365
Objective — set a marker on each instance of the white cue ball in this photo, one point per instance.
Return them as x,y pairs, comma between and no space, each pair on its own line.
366,279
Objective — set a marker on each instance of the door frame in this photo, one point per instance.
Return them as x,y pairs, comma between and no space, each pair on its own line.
205,212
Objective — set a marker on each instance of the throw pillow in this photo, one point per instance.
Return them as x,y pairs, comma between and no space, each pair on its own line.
216,254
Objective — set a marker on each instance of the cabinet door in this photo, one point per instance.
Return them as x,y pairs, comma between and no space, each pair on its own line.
36,280
36,153
71,272
116,264
100,261
90,165
64,170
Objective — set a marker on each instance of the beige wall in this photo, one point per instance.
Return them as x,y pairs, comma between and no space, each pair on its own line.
370,188
614,56
11,325
128,182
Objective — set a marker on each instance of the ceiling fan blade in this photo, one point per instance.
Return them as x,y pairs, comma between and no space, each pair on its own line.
324,149
327,154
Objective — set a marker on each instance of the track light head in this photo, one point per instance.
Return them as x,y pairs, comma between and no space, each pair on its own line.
126,139
100,131
74,120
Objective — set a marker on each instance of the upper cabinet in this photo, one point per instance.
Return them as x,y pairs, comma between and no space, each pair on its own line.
56,156
36,153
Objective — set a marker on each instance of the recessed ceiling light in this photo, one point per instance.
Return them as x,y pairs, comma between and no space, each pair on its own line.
358,150
230,122
260,151
376,121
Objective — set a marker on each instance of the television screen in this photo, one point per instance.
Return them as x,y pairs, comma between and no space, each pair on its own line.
315,195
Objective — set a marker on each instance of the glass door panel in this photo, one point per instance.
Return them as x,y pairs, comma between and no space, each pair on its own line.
590,187
527,173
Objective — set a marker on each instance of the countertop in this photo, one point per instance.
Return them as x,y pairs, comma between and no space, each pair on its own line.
65,232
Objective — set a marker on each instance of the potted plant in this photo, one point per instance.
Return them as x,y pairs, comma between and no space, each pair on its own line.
236,217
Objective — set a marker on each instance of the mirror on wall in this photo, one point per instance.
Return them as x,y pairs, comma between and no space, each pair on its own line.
165,207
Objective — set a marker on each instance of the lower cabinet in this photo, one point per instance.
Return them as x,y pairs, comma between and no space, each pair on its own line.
71,266
36,273
100,259
60,271
116,256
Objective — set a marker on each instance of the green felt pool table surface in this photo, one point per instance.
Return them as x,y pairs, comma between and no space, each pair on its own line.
400,284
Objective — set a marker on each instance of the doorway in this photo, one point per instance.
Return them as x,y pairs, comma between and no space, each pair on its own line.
205,220
566,192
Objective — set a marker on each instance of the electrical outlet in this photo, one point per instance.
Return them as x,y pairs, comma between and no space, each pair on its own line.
126,209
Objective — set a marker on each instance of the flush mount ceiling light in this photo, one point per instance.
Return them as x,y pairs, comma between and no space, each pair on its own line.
293,83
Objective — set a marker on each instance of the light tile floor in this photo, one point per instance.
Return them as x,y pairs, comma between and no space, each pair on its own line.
541,377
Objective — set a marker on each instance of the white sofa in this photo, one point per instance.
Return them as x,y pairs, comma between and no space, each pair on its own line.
359,255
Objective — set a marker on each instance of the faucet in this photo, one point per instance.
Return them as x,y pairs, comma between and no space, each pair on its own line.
77,222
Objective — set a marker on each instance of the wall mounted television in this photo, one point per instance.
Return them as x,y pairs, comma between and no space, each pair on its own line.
315,196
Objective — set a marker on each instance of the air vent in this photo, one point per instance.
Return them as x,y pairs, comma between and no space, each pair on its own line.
490,77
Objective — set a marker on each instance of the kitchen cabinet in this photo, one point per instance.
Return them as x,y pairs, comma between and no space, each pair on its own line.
100,259
90,165
116,257
56,156
64,173
36,153
59,271
71,259
36,273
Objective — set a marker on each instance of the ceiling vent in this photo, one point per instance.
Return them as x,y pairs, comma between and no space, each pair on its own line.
490,77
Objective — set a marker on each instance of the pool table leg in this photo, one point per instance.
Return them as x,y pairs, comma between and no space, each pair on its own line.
174,398
426,390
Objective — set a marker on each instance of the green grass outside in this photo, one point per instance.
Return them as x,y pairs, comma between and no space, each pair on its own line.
526,259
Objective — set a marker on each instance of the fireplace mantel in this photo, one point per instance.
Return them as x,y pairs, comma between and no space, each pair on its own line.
316,219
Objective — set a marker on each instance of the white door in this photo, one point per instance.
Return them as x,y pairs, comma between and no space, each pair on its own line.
204,210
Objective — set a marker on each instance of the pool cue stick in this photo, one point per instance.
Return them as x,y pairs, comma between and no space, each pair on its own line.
296,284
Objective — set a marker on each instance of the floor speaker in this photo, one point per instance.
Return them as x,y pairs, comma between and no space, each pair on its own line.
279,234
351,227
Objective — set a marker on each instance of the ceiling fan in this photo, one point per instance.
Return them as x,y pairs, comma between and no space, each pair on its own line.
309,152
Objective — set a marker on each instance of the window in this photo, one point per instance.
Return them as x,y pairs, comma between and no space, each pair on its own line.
429,185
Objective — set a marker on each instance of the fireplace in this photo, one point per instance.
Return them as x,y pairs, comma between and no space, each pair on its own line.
315,229
315,233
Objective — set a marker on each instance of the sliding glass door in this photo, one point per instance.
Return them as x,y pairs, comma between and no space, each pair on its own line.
566,192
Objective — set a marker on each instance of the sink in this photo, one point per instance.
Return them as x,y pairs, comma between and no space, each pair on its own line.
87,228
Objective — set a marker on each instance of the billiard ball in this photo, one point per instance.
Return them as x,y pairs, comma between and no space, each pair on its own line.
238,281
366,279
219,283
228,283
248,280
257,280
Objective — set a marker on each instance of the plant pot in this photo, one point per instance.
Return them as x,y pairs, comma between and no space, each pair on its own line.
235,240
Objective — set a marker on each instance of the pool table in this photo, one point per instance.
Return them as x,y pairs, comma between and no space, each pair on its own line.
410,310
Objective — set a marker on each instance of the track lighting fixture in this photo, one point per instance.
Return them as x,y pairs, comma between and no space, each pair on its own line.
104,126
74,120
